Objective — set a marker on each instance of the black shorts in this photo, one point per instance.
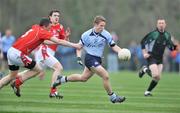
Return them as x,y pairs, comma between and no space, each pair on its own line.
151,60
92,61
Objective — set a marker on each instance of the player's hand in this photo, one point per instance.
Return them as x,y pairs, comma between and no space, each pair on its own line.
77,45
79,61
146,55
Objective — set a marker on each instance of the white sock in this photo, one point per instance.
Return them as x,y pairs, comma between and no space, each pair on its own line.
113,96
146,92
145,69
63,80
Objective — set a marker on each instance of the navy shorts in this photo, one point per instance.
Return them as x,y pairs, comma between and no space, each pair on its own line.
92,61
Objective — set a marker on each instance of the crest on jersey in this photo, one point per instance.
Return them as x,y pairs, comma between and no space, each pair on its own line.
96,63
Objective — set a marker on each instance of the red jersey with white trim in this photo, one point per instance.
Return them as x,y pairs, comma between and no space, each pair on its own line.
32,39
57,31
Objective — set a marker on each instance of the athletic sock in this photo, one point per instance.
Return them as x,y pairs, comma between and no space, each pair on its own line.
148,71
63,79
18,81
112,96
152,85
111,93
53,90
60,80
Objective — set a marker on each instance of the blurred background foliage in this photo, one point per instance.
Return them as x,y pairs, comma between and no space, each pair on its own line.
130,19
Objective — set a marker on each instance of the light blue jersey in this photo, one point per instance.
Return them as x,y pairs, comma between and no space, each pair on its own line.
94,43
7,42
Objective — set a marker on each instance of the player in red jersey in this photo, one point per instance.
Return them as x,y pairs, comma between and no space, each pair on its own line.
18,54
45,55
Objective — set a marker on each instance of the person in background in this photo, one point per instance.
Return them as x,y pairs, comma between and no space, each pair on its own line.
153,46
7,41
1,56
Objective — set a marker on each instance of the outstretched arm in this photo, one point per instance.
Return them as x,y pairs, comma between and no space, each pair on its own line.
65,43
48,42
116,48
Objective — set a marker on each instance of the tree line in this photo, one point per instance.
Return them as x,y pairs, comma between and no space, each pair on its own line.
130,19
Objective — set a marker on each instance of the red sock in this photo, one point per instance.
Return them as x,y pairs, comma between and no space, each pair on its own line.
18,81
53,90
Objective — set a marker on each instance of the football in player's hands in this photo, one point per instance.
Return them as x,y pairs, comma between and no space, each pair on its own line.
124,54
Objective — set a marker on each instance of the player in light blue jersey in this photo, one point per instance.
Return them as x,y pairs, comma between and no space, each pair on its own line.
93,41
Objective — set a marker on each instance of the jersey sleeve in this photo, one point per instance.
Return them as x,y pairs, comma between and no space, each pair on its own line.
109,39
46,35
169,43
144,41
82,40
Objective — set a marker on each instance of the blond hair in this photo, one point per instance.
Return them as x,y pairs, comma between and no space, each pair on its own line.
98,19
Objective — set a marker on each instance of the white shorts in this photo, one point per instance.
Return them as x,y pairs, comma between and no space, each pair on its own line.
45,56
17,58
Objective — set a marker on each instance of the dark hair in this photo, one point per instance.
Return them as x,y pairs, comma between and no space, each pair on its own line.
44,22
53,11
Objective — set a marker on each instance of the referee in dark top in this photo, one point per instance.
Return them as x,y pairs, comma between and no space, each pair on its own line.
153,46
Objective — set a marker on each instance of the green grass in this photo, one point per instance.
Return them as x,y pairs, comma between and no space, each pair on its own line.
90,97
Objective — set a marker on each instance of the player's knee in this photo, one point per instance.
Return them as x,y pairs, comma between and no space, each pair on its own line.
58,67
157,77
106,77
38,68
12,76
83,79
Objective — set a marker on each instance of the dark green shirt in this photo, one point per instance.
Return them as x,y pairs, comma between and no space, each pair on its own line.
155,43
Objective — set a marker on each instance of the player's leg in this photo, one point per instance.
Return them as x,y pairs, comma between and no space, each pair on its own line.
41,75
155,78
28,74
99,70
8,78
54,64
160,68
89,62
74,77
80,78
39,59
144,69
13,61
24,76
57,70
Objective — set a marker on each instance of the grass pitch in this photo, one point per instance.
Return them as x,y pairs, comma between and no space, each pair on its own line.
90,97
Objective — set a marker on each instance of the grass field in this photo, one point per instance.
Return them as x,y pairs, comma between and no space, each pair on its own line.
90,97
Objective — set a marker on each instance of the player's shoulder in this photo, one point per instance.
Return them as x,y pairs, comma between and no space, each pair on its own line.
87,33
167,33
154,32
40,30
60,26
106,33
35,26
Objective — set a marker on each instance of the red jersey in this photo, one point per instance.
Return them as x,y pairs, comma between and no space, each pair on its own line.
57,31
32,39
